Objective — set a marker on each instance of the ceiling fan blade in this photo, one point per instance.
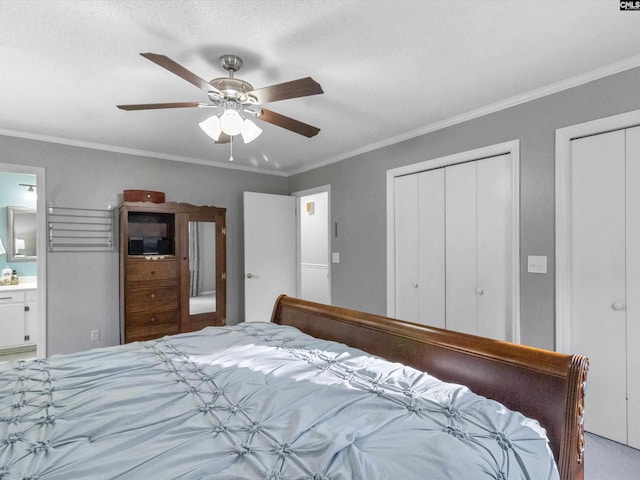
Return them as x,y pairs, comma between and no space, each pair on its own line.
288,123
293,89
153,106
179,70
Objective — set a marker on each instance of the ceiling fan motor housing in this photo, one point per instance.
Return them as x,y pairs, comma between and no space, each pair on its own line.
232,87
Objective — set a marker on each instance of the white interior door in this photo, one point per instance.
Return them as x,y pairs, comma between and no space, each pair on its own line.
431,225
460,198
407,210
494,247
633,285
269,252
597,203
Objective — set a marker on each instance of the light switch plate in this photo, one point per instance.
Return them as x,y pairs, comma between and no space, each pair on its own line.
335,257
537,264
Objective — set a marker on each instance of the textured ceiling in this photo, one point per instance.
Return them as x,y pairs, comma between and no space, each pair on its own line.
389,69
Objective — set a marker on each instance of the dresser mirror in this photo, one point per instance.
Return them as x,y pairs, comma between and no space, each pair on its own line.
21,234
204,271
202,267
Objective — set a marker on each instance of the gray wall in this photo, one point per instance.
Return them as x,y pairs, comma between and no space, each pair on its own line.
358,190
82,288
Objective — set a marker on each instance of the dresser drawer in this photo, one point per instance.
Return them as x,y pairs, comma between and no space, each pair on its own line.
152,270
151,299
135,334
152,319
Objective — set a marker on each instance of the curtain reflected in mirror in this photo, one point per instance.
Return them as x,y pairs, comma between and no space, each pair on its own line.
202,267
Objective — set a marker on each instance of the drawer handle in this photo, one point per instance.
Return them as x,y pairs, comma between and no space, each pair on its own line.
153,272
153,295
152,319
6,298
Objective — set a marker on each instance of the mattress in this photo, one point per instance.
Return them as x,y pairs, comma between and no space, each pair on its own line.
253,401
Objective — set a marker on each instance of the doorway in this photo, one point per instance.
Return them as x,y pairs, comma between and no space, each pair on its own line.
286,249
598,273
24,253
314,245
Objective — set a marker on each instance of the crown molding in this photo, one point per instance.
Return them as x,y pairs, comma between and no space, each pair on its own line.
132,151
576,81
627,64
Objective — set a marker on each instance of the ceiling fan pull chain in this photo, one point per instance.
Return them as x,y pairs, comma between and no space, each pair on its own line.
231,149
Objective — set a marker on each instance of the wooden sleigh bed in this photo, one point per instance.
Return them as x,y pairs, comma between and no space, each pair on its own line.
297,398
541,384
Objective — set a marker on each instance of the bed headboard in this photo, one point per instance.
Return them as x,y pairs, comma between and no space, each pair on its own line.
541,384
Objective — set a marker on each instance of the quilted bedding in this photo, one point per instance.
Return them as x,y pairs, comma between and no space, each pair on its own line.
253,401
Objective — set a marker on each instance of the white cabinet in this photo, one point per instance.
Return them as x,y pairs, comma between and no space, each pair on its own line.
32,318
18,318
454,247
12,318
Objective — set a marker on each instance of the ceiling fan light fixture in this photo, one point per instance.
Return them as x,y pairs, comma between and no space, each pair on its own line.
211,126
231,122
250,131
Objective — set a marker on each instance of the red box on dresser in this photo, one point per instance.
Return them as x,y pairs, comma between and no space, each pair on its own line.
143,196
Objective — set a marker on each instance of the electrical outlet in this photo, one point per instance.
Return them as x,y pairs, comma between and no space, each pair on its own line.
95,335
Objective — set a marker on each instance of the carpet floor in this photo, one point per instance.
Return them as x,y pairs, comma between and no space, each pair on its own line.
609,460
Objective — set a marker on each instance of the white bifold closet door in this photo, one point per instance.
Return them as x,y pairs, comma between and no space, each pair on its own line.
605,278
420,247
454,247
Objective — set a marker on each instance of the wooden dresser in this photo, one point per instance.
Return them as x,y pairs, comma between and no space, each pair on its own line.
151,298
158,242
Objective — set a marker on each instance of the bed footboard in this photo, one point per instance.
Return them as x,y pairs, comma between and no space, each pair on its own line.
541,384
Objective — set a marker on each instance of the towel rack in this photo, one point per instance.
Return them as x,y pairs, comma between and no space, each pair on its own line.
80,229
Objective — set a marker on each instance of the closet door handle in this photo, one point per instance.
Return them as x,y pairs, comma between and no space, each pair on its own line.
415,285
617,306
479,291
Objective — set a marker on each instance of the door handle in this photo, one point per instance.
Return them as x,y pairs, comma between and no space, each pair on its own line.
251,275
479,291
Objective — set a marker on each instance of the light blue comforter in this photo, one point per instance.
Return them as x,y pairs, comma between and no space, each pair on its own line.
253,401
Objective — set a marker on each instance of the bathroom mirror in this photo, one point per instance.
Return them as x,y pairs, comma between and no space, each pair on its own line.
21,234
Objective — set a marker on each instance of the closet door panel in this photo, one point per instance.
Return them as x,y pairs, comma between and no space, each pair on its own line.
494,235
597,275
406,247
432,248
460,199
633,285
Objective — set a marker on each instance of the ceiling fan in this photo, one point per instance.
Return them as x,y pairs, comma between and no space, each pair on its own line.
236,97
